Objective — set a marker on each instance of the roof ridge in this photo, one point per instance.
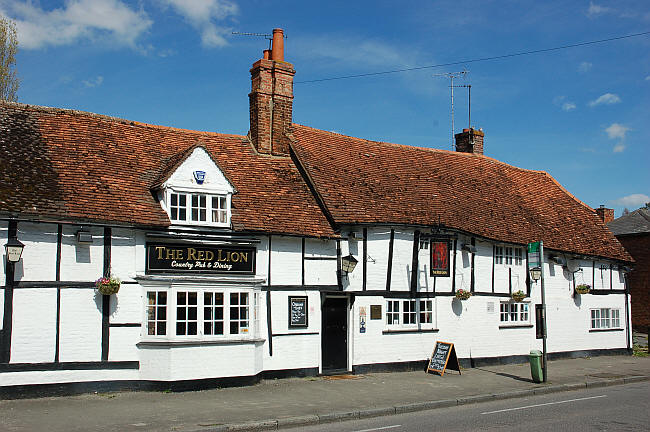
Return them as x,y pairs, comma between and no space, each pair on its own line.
428,149
114,119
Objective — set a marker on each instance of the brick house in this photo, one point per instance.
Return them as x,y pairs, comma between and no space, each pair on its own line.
633,231
236,252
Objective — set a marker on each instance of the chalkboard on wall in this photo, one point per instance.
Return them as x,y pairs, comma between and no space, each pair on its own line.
443,357
298,312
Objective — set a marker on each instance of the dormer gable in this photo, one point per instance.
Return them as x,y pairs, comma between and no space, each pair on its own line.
195,191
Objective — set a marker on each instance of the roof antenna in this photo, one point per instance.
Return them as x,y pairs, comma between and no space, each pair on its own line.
264,35
451,76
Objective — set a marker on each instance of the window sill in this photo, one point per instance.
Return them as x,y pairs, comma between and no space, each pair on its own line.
415,330
172,343
605,330
515,326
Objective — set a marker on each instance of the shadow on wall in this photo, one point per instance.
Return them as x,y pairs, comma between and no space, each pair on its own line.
457,306
82,253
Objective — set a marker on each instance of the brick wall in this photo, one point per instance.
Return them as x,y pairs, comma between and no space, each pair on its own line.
638,245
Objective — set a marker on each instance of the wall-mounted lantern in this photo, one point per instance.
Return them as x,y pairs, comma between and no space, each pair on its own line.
14,250
348,263
536,273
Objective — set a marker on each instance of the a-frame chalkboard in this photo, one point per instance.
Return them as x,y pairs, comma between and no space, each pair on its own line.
443,357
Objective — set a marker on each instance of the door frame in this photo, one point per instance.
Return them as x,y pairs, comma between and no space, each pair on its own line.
324,297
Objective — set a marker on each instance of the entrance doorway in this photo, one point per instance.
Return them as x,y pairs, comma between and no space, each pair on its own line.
334,341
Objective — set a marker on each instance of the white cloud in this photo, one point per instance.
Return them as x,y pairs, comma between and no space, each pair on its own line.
617,131
563,103
94,82
568,106
76,20
606,99
618,148
202,14
634,200
584,67
595,9
354,51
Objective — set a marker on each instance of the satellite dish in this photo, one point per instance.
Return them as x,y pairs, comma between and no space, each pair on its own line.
572,265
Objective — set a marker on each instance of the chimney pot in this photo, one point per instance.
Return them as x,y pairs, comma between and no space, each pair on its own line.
267,54
277,49
470,141
605,214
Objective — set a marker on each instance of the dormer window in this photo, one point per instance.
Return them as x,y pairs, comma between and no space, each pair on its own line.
196,208
196,191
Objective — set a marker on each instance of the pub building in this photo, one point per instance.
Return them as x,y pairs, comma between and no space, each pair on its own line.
287,251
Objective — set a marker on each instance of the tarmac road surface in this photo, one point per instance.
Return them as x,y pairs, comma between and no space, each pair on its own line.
617,408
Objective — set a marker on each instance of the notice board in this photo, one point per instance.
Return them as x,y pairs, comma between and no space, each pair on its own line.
443,357
298,312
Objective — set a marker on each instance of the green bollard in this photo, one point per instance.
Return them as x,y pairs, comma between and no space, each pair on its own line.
536,365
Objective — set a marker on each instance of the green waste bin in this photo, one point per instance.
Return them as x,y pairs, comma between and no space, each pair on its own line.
536,365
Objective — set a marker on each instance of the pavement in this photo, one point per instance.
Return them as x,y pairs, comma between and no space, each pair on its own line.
284,403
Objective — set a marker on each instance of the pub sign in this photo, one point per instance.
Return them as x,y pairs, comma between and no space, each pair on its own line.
440,257
199,258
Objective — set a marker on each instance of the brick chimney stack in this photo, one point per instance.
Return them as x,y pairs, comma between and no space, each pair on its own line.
606,214
470,141
271,100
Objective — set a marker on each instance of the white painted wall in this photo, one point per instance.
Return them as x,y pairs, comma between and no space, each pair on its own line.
319,272
124,263
38,262
33,336
81,325
80,261
286,260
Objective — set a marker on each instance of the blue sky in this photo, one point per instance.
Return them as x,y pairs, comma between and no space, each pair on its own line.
582,114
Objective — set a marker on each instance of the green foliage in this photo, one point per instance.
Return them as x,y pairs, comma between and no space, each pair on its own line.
9,81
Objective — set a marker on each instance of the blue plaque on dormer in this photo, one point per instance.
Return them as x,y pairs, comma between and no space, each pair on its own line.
199,176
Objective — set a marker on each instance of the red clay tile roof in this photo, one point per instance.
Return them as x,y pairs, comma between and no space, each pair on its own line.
364,181
69,165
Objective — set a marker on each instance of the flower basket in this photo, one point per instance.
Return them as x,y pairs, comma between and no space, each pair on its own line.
583,289
462,294
518,295
107,286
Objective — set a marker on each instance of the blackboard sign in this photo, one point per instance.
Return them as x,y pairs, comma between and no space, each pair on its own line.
443,357
199,258
297,311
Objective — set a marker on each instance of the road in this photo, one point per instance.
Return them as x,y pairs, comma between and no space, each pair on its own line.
618,408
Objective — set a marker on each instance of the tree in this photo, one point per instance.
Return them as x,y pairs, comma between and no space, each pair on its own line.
8,48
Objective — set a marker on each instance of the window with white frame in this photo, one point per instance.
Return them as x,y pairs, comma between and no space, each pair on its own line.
498,254
508,255
409,313
198,208
180,313
605,318
519,256
515,313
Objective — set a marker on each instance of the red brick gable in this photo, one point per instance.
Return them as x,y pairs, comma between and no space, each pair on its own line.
364,181
79,166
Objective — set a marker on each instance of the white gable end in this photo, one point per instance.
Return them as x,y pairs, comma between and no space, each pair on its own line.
199,161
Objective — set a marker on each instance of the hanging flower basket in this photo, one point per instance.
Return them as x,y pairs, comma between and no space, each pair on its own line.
583,289
107,286
518,295
462,294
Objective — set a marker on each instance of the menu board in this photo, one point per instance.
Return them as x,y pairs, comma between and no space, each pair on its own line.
297,311
443,357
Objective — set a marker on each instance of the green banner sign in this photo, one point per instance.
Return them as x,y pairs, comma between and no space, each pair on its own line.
534,260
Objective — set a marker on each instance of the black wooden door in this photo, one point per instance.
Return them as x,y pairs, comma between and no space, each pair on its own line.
335,334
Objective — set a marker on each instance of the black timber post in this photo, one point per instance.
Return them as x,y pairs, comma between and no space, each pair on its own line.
7,318
106,299
414,262
339,271
57,339
472,280
365,257
389,270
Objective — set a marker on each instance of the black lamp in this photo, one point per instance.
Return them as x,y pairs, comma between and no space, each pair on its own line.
14,250
348,263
